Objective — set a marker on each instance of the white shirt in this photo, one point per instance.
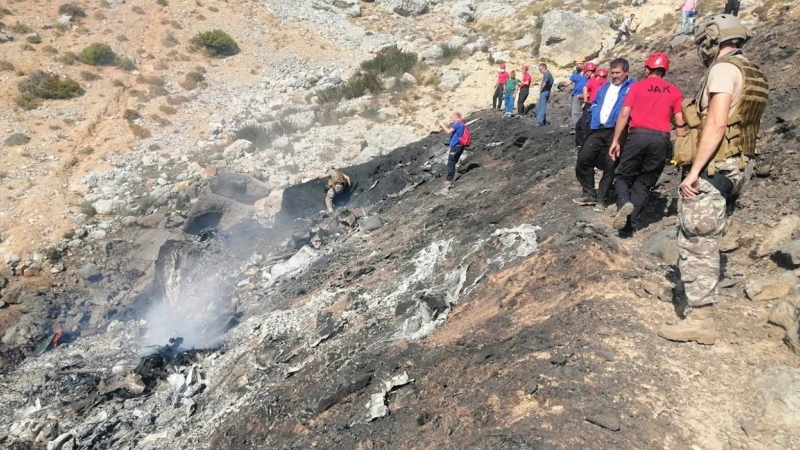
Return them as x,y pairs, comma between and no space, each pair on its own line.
626,24
612,94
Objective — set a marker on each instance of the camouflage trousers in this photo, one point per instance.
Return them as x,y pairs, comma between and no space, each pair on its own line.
332,191
702,222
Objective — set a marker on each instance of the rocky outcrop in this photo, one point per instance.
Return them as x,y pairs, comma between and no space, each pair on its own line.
568,36
492,12
407,8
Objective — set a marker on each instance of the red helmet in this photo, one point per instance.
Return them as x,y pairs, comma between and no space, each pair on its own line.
502,65
589,67
657,61
602,73
524,67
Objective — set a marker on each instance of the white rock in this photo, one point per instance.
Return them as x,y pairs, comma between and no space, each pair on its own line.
406,8
492,12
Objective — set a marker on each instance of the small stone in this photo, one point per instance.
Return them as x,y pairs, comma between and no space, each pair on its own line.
608,356
789,253
13,259
531,388
779,235
727,283
749,427
371,223
97,235
32,270
208,172
605,421
629,274
558,360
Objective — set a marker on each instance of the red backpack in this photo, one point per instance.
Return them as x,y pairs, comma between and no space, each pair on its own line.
466,139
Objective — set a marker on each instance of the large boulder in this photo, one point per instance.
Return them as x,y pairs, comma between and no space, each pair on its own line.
779,235
462,11
492,12
568,36
376,43
407,8
777,391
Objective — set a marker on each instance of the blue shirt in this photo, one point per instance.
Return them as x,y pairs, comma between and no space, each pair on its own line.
580,81
597,105
458,131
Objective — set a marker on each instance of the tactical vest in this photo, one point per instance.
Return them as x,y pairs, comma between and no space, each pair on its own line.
743,125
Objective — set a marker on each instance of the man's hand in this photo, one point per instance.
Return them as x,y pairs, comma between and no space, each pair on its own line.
613,151
688,186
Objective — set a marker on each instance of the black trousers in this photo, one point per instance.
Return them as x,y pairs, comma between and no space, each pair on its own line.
732,7
523,95
497,100
583,125
594,153
643,157
452,160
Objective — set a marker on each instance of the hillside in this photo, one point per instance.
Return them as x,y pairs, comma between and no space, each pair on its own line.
205,302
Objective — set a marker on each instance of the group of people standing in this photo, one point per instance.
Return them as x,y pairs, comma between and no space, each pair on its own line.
629,140
508,89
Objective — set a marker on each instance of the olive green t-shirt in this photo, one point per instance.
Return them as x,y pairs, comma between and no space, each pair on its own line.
511,85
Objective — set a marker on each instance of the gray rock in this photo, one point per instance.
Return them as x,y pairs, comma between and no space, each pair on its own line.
354,11
568,36
239,187
407,8
664,245
12,259
457,42
604,21
771,287
527,41
90,272
64,20
679,40
238,149
779,235
450,79
777,391
492,12
408,78
606,421
323,396
107,207
97,235
790,116
371,223
431,53
5,38
462,11
376,43
789,253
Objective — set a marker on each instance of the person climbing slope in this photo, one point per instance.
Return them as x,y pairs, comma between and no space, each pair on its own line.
460,138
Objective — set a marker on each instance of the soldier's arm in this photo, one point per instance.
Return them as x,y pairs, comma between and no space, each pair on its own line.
346,179
713,131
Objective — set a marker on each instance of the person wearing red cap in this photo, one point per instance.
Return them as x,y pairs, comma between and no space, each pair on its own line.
647,113
579,129
524,88
499,88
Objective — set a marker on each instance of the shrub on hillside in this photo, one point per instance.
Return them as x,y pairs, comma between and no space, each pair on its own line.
216,43
19,28
161,2
391,63
125,63
449,53
6,66
97,54
89,76
69,9
48,86
137,9
355,87
17,139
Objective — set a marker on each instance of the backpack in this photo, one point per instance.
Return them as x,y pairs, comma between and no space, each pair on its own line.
466,139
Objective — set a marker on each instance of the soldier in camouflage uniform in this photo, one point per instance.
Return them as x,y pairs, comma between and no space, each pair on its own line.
337,181
730,103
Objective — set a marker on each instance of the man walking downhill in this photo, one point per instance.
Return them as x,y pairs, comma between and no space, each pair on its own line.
650,106
456,130
605,110
688,10
732,98
499,87
512,85
524,89
625,29
544,94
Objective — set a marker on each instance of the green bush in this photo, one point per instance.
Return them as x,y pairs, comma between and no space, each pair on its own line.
216,43
131,115
33,39
17,139
19,28
97,54
161,2
68,9
6,66
449,53
137,9
68,58
49,86
355,87
124,63
391,63
197,77
89,76
88,209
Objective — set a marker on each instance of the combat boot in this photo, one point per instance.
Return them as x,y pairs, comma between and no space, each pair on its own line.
698,327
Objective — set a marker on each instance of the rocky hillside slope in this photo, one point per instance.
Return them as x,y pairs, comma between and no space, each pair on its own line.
211,306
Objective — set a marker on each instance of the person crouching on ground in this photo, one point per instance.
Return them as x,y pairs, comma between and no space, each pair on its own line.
651,105
455,129
605,109
337,181
512,86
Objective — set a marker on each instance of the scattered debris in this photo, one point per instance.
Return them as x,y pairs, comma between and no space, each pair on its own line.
377,405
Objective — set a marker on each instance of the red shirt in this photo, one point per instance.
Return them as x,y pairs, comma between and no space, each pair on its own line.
653,101
502,77
526,80
593,86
